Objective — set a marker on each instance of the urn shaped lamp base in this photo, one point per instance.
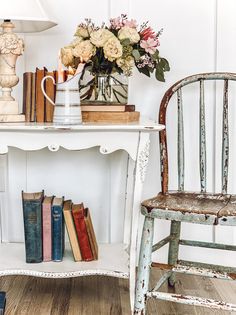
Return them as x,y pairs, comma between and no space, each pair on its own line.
9,112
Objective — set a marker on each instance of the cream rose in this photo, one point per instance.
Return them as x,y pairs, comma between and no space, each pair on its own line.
84,50
100,37
76,41
112,49
83,31
67,57
130,33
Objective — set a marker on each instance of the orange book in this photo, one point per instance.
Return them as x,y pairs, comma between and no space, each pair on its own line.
40,99
51,92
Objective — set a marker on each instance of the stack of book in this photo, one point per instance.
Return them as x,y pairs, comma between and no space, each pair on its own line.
44,219
38,109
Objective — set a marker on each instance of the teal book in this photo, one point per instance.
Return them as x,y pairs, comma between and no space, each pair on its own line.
2,302
32,212
58,229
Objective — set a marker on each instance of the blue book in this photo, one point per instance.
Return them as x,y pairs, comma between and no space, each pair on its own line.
58,229
2,302
32,211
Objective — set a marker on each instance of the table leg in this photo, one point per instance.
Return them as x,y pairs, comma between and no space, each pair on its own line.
139,176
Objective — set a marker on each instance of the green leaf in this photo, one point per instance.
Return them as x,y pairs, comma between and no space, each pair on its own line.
125,42
136,54
160,75
155,55
164,64
144,71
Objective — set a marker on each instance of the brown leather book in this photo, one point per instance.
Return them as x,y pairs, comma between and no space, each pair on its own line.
51,92
40,99
91,233
110,117
27,79
33,90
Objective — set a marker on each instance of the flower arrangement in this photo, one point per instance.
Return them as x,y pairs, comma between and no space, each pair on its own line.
117,47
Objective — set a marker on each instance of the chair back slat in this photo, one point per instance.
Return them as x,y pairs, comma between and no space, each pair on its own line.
202,139
225,139
180,141
178,88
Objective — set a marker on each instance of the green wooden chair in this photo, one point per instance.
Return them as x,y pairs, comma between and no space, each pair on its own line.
183,206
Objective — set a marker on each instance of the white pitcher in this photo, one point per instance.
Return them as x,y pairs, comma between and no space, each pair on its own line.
67,102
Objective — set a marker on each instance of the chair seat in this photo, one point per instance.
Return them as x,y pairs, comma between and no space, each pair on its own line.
200,203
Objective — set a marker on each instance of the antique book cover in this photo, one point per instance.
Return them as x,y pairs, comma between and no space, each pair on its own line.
101,107
2,302
32,212
33,98
51,92
81,230
47,228
40,99
71,230
27,84
58,230
110,117
91,233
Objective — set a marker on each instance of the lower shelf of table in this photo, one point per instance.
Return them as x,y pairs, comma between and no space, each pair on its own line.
113,261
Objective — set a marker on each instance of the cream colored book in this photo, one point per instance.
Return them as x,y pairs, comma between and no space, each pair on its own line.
71,230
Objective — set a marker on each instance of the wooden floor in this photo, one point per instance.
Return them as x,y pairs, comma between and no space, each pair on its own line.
103,296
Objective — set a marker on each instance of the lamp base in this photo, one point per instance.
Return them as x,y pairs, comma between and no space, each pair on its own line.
8,107
12,118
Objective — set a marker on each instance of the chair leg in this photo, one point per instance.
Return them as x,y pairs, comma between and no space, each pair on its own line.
174,248
145,260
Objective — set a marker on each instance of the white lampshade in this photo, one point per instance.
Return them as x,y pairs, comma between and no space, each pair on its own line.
27,15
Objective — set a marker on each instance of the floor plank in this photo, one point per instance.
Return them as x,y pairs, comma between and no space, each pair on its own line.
105,296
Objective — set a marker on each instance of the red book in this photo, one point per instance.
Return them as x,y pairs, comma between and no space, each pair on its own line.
47,228
78,213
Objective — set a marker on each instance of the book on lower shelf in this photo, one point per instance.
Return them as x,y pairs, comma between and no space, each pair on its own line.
2,302
58,229
32,213
47,228
44,224
71,230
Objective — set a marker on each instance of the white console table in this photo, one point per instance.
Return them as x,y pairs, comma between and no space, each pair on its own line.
116,260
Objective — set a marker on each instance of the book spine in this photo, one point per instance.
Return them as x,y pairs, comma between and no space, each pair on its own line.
2,302
82,235
58,236
32,211
47,232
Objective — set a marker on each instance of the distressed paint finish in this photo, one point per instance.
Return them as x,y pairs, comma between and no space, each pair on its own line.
162,243
174,247
202,138
144,266
193,300
181,206
207,245
196,271
180,141
225,140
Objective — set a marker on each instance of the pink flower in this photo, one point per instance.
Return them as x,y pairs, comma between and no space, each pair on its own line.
148,33
132,23
150,45
116,23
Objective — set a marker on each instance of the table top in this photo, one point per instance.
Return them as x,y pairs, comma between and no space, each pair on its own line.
142,125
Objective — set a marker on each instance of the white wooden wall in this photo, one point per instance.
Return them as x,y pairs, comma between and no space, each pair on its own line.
198,37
